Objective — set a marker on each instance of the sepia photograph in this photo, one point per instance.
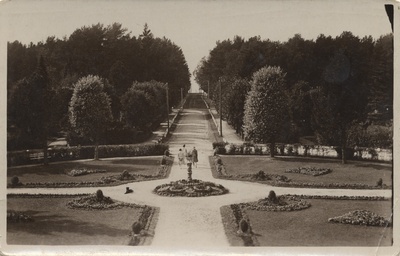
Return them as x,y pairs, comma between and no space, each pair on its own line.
199,127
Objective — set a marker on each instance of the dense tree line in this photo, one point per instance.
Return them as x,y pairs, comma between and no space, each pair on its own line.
139,66
331,83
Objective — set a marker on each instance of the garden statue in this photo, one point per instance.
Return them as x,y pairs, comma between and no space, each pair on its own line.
189,165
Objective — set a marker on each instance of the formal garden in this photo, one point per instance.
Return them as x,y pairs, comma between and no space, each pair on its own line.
317,129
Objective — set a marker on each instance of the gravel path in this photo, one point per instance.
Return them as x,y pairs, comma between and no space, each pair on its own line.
194,223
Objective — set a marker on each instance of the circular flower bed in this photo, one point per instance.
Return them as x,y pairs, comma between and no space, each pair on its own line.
93,202
310,171
190,188
282,203
361,217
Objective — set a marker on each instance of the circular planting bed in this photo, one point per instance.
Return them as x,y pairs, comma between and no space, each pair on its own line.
98,201
279,203
190,188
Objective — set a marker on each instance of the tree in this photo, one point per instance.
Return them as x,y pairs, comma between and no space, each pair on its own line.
341,102
265,107
28,111
234,100
143,104
90,109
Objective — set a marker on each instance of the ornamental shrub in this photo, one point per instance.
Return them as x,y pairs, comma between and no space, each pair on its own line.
166,152
99,195
125,174
379,183
136,227
244,225
163,161
15,181
219,161
272,196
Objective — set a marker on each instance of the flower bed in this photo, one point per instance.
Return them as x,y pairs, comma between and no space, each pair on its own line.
91,202
283,203
361,217
190,188
310,171
368,198
327,185
83,171
17,217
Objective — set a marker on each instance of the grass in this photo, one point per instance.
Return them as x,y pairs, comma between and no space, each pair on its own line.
55,224
353,172
310,227
56,172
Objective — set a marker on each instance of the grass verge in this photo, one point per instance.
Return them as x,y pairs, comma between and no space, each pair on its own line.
55,174
352,173
310,227
56,224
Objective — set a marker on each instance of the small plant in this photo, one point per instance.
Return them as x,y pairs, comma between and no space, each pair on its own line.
125,175
15,181
379,183
166,152
260,175
136,228
290,150
243,225
219,161
99,195
163,161
272,197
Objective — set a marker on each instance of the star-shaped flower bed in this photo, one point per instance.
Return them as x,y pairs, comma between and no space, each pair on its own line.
190,188
361,217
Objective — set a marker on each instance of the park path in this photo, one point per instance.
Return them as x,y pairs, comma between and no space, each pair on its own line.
195,224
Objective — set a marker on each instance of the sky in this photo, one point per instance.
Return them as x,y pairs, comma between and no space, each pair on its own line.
195,26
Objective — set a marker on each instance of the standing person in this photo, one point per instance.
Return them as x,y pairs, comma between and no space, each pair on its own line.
185,150
181,157
194,157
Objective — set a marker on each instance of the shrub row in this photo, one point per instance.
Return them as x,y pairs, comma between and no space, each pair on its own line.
85,152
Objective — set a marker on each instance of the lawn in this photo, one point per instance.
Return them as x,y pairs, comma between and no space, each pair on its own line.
353,172
310,227
55,224
56,172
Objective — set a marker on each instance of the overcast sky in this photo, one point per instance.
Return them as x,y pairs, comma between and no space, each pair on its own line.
195,26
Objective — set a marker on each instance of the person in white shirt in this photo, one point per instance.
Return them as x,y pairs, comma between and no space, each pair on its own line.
181,157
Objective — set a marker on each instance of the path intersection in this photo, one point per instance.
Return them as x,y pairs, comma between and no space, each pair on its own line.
190,223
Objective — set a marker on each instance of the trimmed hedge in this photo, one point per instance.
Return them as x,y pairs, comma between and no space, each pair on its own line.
357,153
85,152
